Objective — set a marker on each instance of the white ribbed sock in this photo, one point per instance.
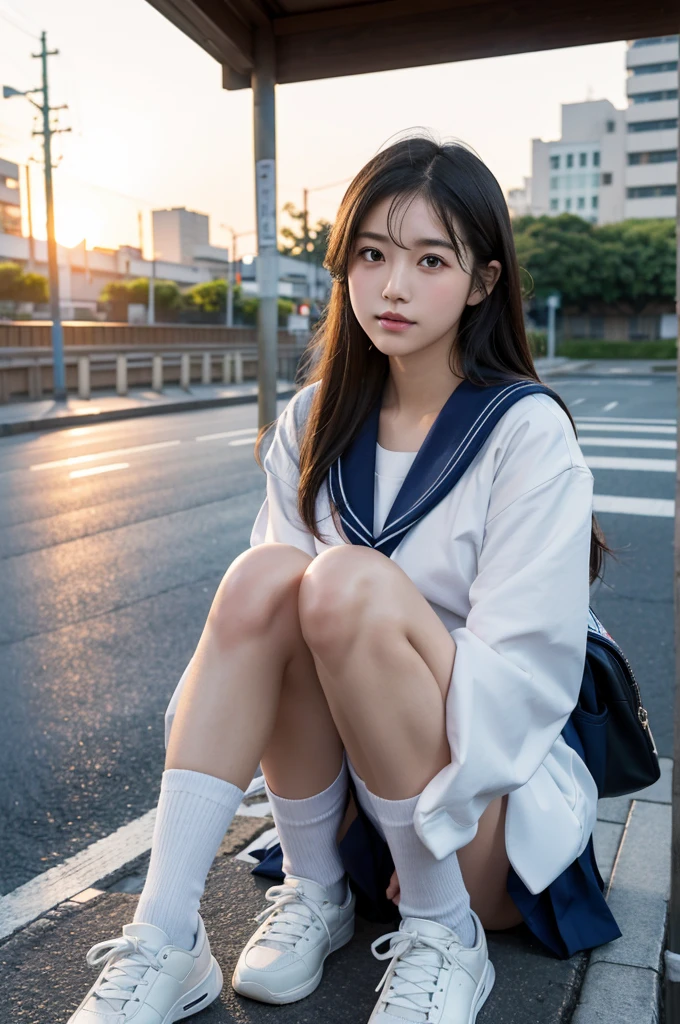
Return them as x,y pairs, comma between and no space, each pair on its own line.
430,888
308,832
194,812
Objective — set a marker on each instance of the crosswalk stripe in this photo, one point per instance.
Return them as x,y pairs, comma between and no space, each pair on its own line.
634,465
627,428
627,442
620,505
621,419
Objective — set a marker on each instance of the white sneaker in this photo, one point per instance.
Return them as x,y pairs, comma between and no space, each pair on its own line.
432,978
147,980
283,960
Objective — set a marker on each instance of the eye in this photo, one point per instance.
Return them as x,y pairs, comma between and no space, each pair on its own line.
439,262
372,252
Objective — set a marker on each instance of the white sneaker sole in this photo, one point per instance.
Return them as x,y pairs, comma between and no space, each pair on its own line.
486,983
253,990
198,997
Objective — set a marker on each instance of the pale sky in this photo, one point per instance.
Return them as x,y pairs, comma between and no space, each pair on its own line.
153,127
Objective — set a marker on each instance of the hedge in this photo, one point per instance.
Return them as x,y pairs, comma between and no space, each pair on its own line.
587,348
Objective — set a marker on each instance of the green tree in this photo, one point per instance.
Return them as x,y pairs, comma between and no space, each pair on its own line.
209,296
314,246
624,266
19,286
119,294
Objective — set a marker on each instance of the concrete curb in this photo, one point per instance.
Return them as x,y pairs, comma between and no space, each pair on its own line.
623,980
130,412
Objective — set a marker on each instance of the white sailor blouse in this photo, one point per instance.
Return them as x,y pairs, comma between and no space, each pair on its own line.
503,560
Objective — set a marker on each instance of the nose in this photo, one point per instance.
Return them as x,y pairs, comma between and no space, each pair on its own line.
396,286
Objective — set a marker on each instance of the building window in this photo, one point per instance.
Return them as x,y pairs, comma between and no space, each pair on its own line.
653,126
655,97
655,69
554,205
654,156
581,203
582,159
570,159
594,202
567,204
554,163
607,178
10,219
651,191
596,158
555,181
611,126
654,41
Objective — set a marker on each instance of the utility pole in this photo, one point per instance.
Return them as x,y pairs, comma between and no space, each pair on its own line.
29,211
672,956
47,133
53,266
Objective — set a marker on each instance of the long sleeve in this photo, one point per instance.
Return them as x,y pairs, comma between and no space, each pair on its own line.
278,520
519,658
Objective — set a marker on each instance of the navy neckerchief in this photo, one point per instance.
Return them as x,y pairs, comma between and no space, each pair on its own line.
455,437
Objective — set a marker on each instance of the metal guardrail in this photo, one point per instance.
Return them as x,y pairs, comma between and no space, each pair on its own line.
28,372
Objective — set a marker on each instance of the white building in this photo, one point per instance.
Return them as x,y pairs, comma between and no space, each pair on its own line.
519,199
178,232
582,172
652,127
10,198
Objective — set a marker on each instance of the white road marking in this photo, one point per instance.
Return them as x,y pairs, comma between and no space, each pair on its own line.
242,440
226,433
609,405
636,465
577,401
94,470
630,428
627,442
62,882
621,419
663,508
93,456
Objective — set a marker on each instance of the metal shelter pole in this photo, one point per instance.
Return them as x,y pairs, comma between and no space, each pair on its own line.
264,125
673,987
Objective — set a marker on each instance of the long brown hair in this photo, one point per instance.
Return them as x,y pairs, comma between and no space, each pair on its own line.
491,343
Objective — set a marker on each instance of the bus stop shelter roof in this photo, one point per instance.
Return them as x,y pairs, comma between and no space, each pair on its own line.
328,38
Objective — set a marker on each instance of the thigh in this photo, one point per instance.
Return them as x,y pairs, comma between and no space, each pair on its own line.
484,865
384,659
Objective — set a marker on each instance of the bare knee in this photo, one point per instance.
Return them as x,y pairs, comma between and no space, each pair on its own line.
344,595
257,588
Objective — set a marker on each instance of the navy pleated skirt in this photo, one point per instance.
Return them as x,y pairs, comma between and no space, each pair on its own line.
570,915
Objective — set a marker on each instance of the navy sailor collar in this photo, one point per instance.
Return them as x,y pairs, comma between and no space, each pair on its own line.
457,434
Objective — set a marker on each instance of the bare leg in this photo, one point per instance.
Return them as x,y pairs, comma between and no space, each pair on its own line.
385,661
253,693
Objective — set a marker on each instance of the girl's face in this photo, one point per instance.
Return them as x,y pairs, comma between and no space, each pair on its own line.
423,283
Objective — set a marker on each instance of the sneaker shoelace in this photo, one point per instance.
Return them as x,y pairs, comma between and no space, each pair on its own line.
417,961
291,914
125,959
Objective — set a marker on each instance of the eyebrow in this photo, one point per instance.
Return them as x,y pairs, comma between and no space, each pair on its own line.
441,242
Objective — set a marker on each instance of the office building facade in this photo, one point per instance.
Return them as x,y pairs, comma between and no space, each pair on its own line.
651,152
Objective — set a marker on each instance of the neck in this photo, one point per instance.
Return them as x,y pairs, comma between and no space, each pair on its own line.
419,384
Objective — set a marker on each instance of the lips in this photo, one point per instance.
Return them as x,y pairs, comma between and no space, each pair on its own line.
396,317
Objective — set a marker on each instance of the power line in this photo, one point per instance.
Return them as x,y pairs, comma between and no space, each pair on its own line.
15,24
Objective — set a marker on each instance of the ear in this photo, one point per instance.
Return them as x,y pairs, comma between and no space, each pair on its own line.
490,275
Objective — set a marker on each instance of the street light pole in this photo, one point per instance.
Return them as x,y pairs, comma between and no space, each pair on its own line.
59,377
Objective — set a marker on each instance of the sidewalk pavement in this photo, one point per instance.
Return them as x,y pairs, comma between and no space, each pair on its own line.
46,414
44,974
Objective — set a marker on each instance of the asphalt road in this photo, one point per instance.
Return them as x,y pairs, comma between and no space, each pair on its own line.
107,578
